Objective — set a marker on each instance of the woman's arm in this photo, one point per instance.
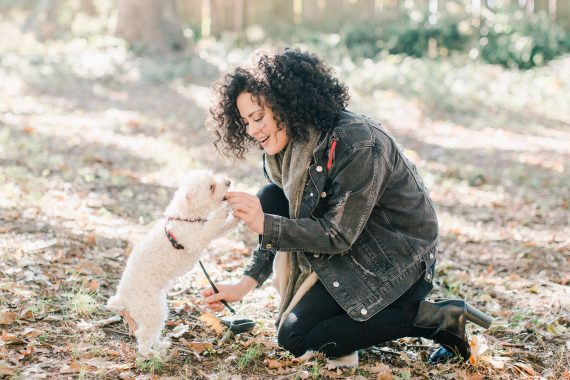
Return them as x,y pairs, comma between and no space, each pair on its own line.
229,293
358,179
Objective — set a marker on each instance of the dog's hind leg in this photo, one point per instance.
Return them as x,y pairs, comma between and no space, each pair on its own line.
149,329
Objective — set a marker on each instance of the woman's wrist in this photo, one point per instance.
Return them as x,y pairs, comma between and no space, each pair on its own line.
247,284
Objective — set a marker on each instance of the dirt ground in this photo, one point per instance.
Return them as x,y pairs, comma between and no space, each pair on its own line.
93,140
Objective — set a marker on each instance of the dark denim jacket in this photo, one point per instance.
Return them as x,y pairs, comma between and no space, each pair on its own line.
367,226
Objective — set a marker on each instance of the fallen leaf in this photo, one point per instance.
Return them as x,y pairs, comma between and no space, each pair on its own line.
460,374
72,367
478,346
30,349
32,333
101,363
197,347
382,371
212,322
93,285
264,342
496,361
87,267
405,358
27,314
525,367
91,239
6,369
53,318
10,339
275,364
179,330
7,317
130,321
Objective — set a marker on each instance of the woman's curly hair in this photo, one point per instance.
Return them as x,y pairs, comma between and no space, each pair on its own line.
299,87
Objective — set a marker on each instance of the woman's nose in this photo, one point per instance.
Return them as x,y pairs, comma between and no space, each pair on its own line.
252,131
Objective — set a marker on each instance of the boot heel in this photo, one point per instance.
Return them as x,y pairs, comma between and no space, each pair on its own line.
476,316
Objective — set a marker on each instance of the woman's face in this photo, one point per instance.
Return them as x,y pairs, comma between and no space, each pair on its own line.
261,124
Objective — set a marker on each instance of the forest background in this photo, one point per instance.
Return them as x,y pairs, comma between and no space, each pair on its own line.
102,110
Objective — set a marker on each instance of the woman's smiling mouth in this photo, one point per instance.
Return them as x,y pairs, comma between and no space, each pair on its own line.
263,140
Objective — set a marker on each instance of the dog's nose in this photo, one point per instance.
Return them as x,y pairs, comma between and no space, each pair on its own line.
228,183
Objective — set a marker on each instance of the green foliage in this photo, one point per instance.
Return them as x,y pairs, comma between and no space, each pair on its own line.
524,41
251,357
407,35
82,303
152,365
508,37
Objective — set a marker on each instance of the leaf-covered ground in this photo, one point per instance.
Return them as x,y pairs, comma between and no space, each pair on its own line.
93,140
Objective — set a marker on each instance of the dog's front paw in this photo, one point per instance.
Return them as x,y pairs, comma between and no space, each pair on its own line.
162,346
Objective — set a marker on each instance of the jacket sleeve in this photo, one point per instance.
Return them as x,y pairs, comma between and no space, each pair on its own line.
358,179
260,266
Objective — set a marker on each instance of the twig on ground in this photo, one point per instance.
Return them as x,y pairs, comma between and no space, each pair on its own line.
96,324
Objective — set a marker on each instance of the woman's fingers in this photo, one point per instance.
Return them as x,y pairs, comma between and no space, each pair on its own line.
215,306
240,198
216,297
213,299
247,207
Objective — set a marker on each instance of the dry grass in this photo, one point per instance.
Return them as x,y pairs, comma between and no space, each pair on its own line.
88,158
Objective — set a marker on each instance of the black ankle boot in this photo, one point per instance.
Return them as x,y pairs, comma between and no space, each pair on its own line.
444,322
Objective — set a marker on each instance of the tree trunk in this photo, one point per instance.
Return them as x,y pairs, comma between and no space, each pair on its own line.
150,24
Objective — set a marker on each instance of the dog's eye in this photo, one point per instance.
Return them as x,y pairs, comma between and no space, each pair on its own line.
213,187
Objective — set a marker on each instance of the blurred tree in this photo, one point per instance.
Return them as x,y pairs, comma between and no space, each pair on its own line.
88,7
150,24
43,20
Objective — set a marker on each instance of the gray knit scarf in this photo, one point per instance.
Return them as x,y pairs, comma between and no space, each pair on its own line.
289,170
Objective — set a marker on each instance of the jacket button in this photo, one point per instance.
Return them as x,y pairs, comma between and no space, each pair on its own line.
323,194
428,276
336,284
431,256
319,168
363,311
316,255
268,246
310,195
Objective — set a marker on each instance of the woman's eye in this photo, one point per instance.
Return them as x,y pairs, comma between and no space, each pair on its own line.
258,119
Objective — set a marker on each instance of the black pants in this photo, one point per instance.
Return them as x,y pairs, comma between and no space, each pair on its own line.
318,323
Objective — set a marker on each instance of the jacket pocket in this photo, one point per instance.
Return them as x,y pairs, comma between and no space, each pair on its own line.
368,254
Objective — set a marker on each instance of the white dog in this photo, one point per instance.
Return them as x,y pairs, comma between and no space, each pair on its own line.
196,215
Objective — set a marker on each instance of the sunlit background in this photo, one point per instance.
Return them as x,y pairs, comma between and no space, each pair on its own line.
102,111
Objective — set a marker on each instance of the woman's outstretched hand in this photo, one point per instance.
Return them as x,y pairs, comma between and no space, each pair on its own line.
229,293
247,207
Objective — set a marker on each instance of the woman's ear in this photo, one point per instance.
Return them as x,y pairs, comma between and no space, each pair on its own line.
213,188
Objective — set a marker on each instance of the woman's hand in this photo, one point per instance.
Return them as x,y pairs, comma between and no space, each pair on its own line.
228,293
247,207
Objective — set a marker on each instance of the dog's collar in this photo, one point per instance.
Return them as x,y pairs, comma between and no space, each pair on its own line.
196,220
171,236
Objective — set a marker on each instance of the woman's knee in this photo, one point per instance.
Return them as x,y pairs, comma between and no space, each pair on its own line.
290,337
273,200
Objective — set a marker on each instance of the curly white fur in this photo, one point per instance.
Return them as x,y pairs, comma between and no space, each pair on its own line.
155,263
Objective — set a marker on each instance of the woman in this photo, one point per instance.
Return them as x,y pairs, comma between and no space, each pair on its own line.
354,227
